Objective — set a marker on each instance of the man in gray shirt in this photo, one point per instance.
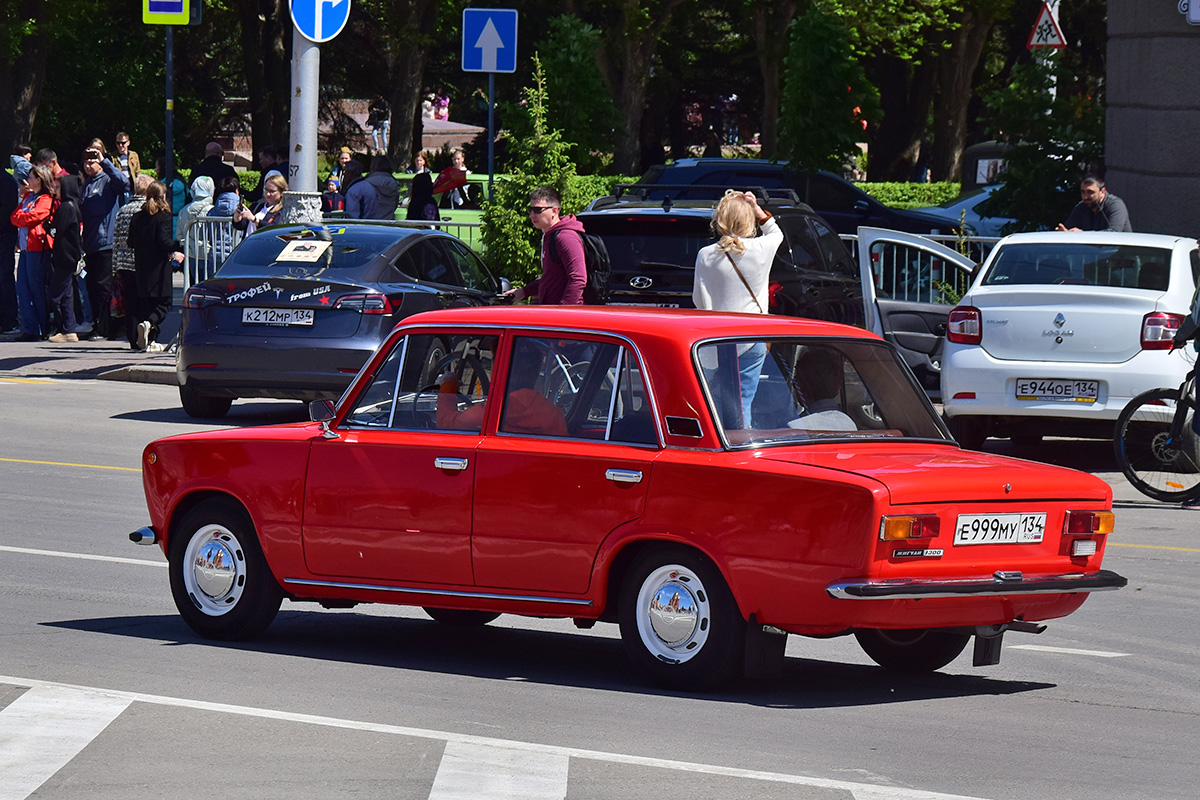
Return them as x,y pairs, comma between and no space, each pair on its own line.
1098,211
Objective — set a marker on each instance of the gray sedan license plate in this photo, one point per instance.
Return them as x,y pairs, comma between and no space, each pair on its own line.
277,316
1047,389
999,528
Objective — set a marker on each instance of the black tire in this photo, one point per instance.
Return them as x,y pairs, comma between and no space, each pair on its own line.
233,596
203,406
679,622
1154,465
461,617
970,432
434,357
919,650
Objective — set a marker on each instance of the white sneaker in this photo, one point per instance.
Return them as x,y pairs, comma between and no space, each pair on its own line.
155,347
143,334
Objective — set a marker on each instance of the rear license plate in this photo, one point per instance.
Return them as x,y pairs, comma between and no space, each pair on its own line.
999,528
277,316
1045,389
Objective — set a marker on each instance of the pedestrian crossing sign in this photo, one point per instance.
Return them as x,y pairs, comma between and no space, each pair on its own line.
1046,32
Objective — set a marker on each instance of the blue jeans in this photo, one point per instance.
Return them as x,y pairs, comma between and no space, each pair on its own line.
749,369
32,269
380,133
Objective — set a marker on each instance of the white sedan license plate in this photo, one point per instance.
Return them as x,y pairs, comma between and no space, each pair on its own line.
1047,389
277,316
999,528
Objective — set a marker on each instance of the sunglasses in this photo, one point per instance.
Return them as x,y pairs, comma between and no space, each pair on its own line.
538,209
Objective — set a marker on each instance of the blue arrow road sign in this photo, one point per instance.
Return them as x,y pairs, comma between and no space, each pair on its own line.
489,40
320,20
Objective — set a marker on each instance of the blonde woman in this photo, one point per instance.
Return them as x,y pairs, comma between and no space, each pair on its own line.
269,209
732,275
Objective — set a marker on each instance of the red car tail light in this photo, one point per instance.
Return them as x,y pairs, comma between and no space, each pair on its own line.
1086,523
965,325
366,303
913,526
200,297
1158,328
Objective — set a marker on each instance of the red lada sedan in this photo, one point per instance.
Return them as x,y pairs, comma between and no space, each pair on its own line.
710,482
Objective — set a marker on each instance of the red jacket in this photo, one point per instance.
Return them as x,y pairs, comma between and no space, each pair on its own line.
32,213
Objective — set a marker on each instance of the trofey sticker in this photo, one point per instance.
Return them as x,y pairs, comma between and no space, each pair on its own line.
303,250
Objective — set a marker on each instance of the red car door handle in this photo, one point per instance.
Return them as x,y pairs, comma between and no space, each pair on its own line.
454,464
624,475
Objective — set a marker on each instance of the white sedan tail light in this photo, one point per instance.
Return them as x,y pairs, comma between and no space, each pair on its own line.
965,325
1158,329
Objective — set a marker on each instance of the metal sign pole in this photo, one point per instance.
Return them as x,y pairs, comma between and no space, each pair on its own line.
169,145
306,81
491,131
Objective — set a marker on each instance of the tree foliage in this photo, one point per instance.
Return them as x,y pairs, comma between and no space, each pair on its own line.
1054,140
826,96
540,158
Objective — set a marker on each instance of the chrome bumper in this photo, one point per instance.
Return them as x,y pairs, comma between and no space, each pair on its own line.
998,584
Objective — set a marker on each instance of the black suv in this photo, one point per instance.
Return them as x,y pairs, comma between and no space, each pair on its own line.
652,247
839,202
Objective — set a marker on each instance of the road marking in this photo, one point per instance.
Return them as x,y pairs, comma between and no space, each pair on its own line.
43,729
25,380
1156,547
1071,651
68,464
29,551
471,771
861,791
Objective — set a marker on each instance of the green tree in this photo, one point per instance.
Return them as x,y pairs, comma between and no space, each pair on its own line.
583,109
826,95
541,158
1054,140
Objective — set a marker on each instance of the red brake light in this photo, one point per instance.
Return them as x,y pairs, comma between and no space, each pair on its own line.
366,303
1082,523
200,297
1158,328
965,325
914,526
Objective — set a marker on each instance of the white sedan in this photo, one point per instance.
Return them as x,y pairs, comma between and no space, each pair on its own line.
1059,330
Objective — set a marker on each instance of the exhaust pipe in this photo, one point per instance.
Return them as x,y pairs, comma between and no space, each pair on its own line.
144,536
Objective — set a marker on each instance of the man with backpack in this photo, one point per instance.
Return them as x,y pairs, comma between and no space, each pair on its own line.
564,259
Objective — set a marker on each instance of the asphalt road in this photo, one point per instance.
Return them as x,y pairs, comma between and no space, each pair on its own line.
104,693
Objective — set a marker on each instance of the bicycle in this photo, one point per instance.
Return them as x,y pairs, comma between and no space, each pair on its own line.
1156,445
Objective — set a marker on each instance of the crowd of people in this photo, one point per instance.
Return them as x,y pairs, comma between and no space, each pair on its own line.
60,222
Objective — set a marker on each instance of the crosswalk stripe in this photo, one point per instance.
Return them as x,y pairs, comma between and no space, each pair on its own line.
860,791
488,772
43,729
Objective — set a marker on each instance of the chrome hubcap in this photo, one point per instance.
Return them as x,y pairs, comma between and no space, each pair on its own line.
214,570
673,614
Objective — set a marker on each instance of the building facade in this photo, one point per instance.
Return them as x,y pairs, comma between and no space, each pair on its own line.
1152,141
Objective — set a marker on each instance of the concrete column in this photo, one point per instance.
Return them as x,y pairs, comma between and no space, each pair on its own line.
1152,137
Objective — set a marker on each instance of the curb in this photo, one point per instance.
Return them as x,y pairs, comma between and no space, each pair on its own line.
142,374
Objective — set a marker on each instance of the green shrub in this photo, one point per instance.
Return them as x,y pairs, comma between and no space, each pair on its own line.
912,195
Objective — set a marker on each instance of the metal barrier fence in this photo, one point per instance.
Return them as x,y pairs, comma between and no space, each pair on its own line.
901,272
208,241
908,273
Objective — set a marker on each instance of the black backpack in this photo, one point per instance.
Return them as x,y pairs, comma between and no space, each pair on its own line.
599,268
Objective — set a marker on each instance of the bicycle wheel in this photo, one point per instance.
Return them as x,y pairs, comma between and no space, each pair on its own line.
1154,464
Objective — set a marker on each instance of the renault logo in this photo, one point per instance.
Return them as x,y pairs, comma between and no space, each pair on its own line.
1060,320
640,282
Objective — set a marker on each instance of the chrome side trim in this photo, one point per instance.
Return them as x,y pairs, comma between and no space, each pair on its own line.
914,589
570,601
